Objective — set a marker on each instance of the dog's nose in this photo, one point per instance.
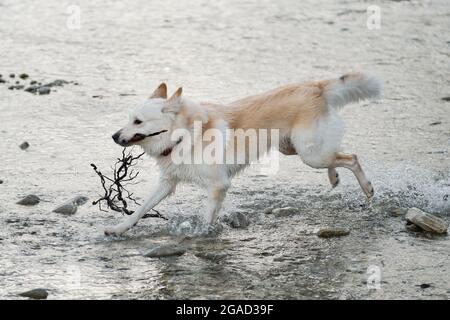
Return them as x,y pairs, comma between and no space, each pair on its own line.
116,136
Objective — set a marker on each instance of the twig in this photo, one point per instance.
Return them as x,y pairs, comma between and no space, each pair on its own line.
115,194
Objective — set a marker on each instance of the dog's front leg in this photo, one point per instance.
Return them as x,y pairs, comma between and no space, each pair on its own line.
216,196
163,189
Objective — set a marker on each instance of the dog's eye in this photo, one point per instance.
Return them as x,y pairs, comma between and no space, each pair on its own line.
137,121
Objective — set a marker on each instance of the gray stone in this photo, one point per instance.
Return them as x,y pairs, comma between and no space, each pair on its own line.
236,220
332,232
285,212
397,211
1,181
43,90
213,256
23,76
70,207
56,83
35,294
29,200
166,250
67,209
32,89
16,87
426,221
24,145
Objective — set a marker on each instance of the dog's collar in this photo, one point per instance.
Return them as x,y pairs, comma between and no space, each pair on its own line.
168,151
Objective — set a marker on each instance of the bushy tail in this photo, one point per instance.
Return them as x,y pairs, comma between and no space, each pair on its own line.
352,87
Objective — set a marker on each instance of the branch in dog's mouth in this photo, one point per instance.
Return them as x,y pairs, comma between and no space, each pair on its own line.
115,194
156,133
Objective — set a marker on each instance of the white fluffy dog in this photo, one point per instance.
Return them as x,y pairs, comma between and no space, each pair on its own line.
304,116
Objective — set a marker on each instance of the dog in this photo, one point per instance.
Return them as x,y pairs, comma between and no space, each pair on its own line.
305,116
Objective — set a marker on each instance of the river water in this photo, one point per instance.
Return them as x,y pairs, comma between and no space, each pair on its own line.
219,51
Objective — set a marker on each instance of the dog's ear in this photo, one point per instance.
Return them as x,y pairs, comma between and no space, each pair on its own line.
173,104
160,92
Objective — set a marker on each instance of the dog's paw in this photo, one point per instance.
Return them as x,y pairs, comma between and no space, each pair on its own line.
113,231
369,191
335,181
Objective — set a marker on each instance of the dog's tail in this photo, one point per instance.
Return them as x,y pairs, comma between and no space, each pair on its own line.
352,87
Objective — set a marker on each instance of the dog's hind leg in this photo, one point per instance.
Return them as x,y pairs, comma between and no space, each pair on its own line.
350,161
333,176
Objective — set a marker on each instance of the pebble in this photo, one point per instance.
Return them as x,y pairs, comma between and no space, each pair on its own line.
332,232
43,90
446,99
213,256
16,87
67,209
24,145
426,221
285,212
12,75
29,200
23,76
397,211
35,294
70,207
1,181
236,220
166,250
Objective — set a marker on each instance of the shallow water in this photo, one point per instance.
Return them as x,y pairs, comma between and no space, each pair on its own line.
221,51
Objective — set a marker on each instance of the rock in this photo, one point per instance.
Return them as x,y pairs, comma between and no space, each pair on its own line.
70,207
1,181
236,220
435,123
33,82
24,145
332,232
23,76
213,256
426,221
32,89
397,211
35,294
2,80
285,212
446,99
56,83
67,209
166,250
29,200
79,200
12,75
16,87
43,90
424,285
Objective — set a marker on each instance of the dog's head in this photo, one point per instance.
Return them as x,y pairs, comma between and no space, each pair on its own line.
151,123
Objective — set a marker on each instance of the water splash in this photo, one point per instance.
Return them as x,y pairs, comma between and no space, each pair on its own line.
193,226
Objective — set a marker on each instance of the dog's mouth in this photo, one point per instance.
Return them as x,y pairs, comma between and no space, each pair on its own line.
140,136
